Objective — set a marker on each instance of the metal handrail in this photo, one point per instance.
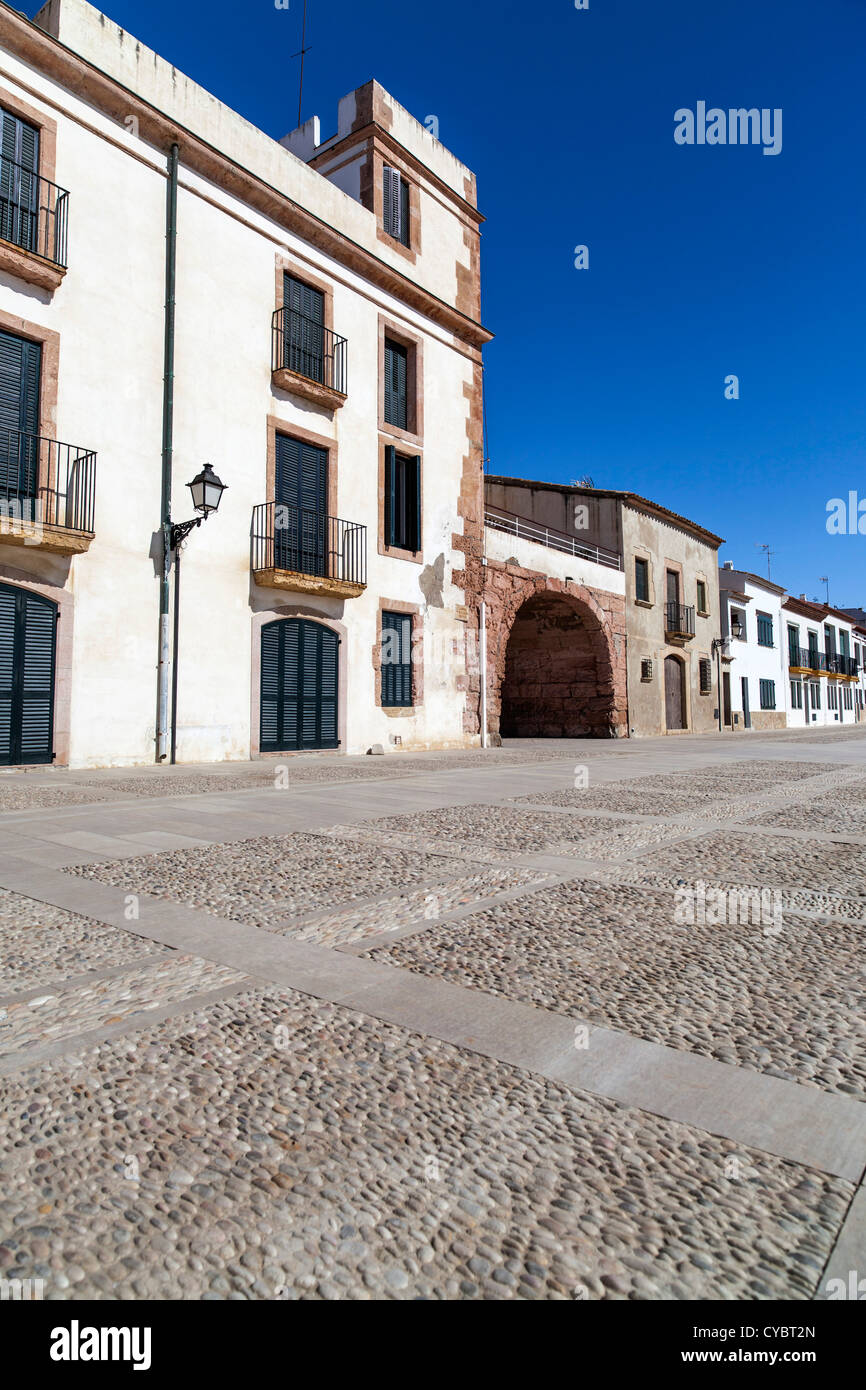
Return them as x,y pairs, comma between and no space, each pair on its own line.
45,481
527,530
680,617
309,543
301,345
34,213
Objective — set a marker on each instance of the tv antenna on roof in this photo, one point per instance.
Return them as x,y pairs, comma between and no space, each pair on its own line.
767,551
585,481
302,51
825,579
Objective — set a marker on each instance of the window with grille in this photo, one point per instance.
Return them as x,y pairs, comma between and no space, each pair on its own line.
396,660
646,669
706,675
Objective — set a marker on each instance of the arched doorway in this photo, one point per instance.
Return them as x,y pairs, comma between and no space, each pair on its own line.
28,628
299,686
557,680
675,693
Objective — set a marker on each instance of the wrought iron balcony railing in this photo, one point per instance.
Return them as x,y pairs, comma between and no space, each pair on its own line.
308,543
526,530
838,665
45,482
34,213
680,619
308,348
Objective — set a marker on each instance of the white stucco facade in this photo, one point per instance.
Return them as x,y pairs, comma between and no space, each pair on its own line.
755,653
248,209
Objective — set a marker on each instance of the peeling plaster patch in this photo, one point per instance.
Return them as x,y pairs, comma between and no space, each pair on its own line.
432,582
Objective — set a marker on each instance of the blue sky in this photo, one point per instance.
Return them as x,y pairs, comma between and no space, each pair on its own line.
703,261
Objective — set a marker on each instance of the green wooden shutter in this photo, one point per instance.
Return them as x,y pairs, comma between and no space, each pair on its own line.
396,385
415,512
8,609
19,169
329,662
270,688
391,202
396,660
304,328
28,625
390,494
20,371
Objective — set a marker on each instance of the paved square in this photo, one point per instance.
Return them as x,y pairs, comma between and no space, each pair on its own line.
434,1027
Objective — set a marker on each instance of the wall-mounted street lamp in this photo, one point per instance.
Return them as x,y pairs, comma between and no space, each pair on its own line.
736,625
207,490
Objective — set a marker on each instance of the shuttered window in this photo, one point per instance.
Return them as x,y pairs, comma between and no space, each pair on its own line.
304,330
20,369
768,694
395,205
765,630
19,184
299,686
301,496
396,659
396,384
27,657
402,501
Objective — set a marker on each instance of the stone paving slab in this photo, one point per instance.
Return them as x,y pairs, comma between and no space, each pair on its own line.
364,1161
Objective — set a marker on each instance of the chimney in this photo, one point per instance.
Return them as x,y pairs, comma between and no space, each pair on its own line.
729,564
803,598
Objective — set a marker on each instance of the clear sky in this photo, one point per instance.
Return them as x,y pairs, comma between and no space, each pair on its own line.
704,261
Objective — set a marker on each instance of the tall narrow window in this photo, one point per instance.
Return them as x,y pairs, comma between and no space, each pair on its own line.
641,580
768,694
402,501
396,384
19,181
304,328
395,205
20,368
396,660
702,597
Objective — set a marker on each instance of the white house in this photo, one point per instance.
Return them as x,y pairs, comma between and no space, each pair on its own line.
824,669
179,289
754,677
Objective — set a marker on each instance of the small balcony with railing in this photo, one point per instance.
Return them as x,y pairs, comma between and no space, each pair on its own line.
308,552
34,218
308,359
840,665
679,622
47,493
807,661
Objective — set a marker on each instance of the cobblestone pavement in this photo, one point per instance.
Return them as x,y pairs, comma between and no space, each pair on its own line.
182,1127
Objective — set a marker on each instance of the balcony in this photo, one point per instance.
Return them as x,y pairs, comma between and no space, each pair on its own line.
308,552
808,661
47,493
308,359
526,530
679,622
33,226
839,665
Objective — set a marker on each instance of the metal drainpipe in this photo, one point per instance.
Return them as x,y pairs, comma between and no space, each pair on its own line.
482,654
167,451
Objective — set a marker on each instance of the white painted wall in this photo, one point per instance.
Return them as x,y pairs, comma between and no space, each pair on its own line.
109,313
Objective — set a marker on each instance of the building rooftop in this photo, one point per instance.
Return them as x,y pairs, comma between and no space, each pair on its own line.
630,499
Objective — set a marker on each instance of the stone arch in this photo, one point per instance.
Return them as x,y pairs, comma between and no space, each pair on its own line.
556,658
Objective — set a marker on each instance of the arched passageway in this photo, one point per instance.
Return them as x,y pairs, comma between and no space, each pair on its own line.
557,680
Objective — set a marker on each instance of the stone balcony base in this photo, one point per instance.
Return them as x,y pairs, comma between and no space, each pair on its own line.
307,583
316,391
41,536
26,266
